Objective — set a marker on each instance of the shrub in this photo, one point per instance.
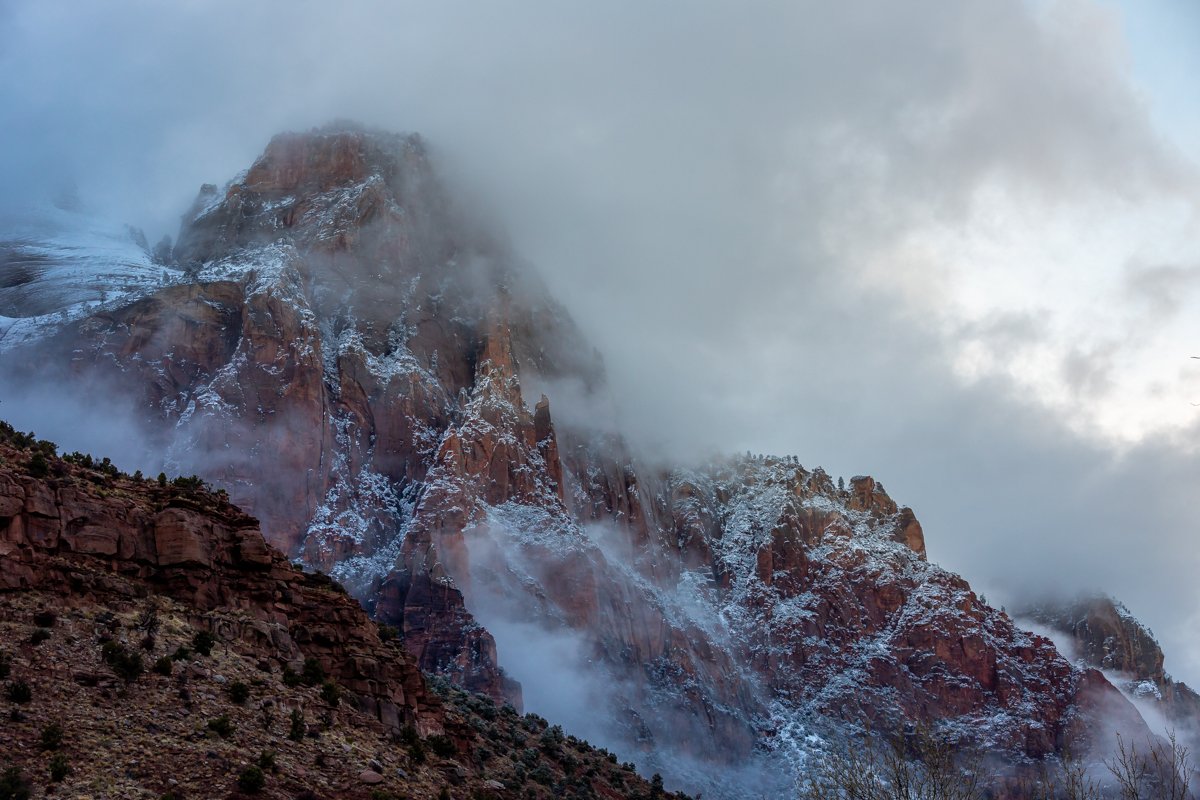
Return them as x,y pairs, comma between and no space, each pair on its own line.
388,632
412,740
290,678
542,775
266,761
38,636
441,746
916,763
221,726
330,693
252,780
5,665
181,654
127,665
313,673
550,739
203,643
38,466
148,620
45,619
296,732
162,479
190,483
52,736
59,768
164,665
19,692
12,785
238,692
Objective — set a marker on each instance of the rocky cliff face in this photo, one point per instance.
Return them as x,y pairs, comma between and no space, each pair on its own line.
349,353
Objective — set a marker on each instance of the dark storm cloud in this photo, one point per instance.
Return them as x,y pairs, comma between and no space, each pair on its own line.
718,192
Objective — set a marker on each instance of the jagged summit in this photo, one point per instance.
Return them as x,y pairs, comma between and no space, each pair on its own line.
382,383
320,189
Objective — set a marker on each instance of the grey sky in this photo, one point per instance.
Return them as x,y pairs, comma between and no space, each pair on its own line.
951,244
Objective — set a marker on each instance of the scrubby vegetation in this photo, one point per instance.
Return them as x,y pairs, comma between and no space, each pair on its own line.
925,765
127,664
44,461
252,780
59,767
52,736
19,692
202,643
298,728
221,726
13,785
238,692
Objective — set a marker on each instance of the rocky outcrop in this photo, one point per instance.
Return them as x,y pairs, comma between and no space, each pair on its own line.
840,612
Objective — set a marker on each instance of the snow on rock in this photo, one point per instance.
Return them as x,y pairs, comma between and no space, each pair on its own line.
349,354
57,266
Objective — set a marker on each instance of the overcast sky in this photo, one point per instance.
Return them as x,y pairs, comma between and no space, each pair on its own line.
952,244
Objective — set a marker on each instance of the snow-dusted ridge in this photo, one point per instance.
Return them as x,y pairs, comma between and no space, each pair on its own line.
58,266
347,358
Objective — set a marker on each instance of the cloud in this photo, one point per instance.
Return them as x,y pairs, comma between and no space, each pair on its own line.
106,423
1161,288
887,238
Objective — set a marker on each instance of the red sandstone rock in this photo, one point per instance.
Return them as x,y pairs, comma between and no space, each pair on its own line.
190,546
347,357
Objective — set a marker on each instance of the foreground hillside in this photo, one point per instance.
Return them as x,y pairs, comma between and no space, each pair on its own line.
153,645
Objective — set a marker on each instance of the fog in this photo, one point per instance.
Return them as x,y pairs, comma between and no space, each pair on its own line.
951,245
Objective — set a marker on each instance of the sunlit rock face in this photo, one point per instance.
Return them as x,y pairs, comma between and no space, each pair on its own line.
362,364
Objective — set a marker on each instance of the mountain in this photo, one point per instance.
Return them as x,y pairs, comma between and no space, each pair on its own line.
1102,633
155,645
367,368
58,263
